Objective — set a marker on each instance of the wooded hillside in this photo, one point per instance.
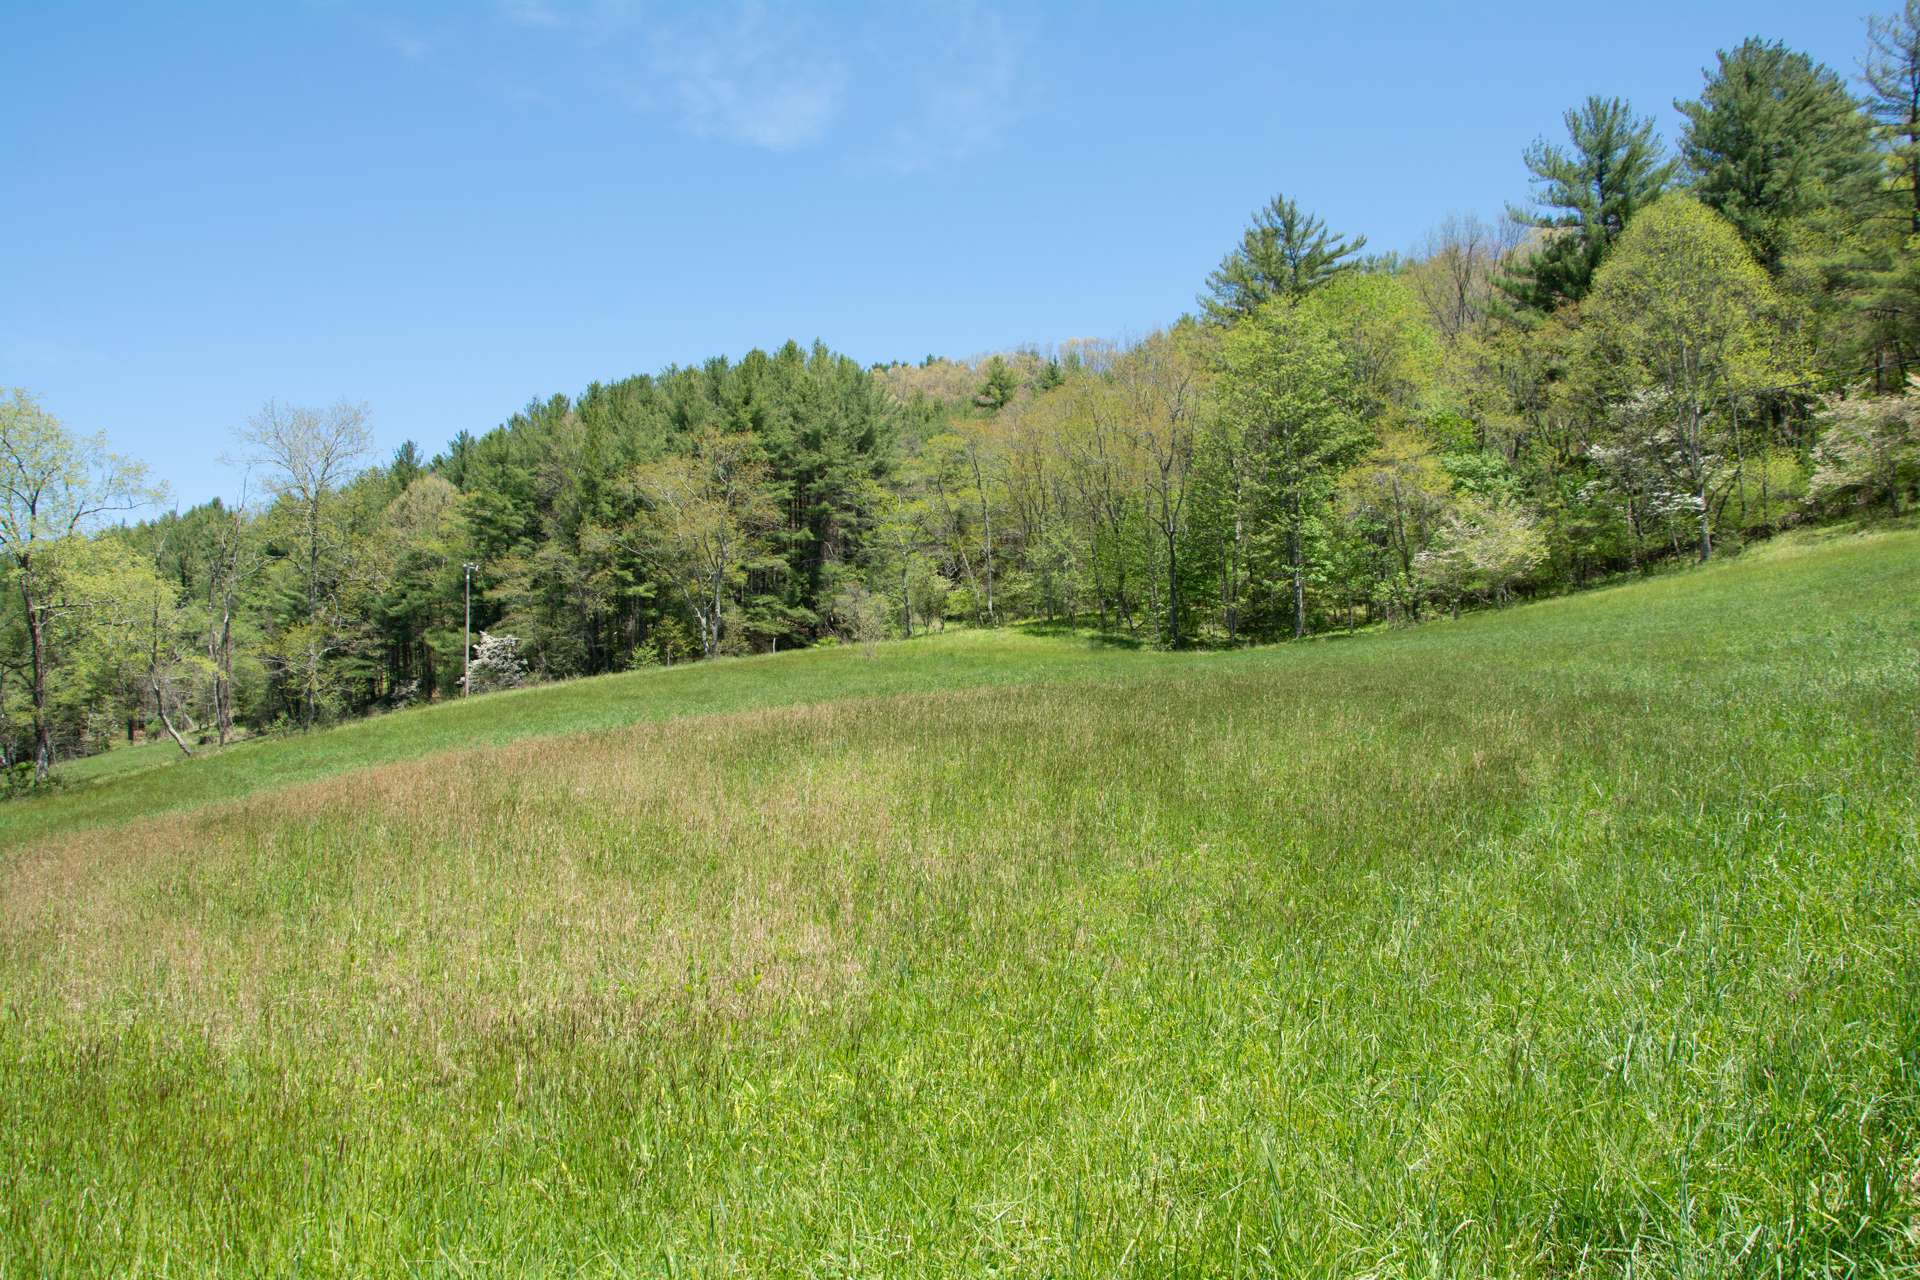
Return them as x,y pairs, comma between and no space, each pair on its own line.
1664,352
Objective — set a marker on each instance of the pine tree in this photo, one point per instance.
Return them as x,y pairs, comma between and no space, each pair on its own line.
1878,266
1284,254
999,387
1891,71
1773,138
1615,167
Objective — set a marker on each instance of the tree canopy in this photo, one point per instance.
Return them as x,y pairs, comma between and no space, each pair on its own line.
1585,194
1284,253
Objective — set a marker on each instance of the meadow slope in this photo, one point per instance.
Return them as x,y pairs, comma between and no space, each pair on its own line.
131,783
1578,938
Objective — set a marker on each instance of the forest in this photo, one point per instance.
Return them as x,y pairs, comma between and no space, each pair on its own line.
1664,353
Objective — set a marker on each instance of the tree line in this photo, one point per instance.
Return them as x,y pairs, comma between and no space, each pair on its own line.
1665,352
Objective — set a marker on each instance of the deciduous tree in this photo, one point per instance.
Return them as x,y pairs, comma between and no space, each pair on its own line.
1285,380
705,518
309,454
54,487
1869,448
1681,315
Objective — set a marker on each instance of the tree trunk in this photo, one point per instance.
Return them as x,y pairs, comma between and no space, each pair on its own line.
1297,552
1403,548
160,703
220,591
986,518
1696,454
1706,530
153,681
313,608
37,643
1173,594
986,527
223,688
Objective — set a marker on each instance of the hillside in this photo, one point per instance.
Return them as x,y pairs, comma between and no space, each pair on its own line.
156,778
1577,937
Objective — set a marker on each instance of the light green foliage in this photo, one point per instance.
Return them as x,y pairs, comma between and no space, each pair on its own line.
706,517
309,455
1769,487
55,487
1286,389
1397,497
99,600
1587,193
1124,484
1570,940
1680,319
418,581
859,616
1480,549
1391,349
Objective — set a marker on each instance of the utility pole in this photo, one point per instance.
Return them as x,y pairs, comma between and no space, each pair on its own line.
466,652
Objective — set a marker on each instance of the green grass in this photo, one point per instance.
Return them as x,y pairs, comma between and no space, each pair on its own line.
1575,939
122,758
101,792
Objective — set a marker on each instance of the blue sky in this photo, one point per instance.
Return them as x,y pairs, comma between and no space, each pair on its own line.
445,211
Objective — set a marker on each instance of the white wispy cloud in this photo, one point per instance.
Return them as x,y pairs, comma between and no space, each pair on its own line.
532,13
749,75
916,87
961,91
595,20
408,43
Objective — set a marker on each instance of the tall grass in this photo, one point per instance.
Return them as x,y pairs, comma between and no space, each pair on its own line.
123,784
1577,939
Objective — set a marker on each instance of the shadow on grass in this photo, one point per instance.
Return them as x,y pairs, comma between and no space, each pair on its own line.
1094,636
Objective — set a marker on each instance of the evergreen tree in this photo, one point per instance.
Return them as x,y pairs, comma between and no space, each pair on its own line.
406,466
1891,71
1873,262
1774,137
1284,254
1000,386
1587,195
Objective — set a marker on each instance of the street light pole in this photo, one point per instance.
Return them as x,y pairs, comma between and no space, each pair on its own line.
466,652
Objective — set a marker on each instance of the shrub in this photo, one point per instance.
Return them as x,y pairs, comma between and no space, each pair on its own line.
497,663
1869,450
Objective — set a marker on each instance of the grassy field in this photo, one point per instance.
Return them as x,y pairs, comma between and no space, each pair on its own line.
134,782
1581,938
